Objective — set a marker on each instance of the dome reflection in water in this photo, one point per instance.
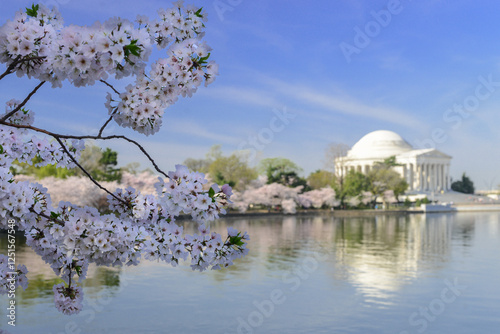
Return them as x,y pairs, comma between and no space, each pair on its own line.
304,274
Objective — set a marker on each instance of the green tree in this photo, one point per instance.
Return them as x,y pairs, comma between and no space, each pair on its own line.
382,177
89,159
233,170
132,168
107,170
321,179
387,163
197,165
100,164
40,172
283,171
354,184
335,161
465,185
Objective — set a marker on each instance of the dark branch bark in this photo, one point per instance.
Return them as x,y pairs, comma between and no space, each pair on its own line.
85,171
110,86
4,118
56,135
10,68
18,60
104,125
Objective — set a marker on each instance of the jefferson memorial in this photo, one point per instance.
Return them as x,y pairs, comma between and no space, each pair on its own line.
424,169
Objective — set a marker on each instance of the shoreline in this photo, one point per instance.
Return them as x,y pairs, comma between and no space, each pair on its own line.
427,209
323,212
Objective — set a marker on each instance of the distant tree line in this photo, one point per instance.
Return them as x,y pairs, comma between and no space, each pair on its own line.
236,171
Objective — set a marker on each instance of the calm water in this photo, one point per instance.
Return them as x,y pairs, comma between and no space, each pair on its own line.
435,273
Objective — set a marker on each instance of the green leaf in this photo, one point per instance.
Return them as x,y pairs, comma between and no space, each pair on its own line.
1,149
205,58
54,215
78,270
211,192
132,48
198,12
236,240
33,11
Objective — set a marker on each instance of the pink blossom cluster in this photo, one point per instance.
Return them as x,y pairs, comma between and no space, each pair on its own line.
274,194
68,300
51,52
366,197
389,197
318,198
144,181
268,195
18,143
69,237
10,277
81,191
39,46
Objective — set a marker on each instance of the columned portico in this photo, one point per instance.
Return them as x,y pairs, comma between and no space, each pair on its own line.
425,170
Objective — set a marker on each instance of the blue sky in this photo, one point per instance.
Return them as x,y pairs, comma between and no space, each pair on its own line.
428,70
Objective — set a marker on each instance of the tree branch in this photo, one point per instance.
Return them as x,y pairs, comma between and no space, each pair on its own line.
18,60
4,118
43,215
111,117
110,86
104,125
56,135
10,68
87,173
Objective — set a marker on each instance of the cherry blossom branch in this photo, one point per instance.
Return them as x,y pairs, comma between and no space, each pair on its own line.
22,104
18,60
10,68
110,117
143,150
56,135
65,149
43,215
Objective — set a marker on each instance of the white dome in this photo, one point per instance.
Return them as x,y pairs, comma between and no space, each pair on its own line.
379,144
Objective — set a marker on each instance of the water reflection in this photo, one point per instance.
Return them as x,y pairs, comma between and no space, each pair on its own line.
42,278
377,254
371,262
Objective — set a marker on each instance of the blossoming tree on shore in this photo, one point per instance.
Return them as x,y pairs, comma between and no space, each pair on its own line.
68,237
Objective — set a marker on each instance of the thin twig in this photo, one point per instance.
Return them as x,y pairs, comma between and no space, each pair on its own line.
18,60
87,173
41,214
4,118
104,125
110,86
10,68
143,150
111,117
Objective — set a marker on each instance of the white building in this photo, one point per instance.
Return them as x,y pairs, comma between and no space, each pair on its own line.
424,169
